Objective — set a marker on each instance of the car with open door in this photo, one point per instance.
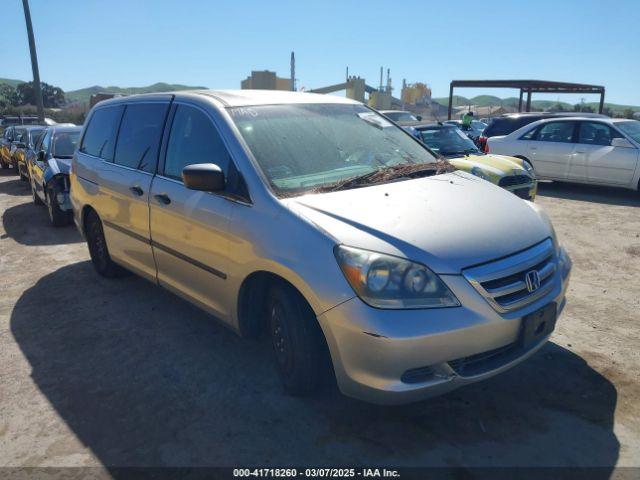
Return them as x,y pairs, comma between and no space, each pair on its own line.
26,139
49,171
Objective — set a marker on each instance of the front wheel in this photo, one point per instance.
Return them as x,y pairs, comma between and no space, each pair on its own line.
300,349
98,248
58,217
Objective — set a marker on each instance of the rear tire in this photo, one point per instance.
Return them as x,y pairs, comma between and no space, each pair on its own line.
98,248
298,342
58,217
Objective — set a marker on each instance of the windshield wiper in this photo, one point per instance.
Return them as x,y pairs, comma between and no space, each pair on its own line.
383,175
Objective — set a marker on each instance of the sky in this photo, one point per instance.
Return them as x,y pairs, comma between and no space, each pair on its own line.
216,44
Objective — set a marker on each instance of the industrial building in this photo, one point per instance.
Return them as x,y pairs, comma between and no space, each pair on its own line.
265,80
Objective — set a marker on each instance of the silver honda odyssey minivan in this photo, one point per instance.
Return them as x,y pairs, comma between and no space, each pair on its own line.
317,221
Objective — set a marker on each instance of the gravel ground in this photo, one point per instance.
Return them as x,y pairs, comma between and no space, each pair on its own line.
97,372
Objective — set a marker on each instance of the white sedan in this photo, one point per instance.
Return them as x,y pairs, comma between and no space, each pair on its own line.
601,151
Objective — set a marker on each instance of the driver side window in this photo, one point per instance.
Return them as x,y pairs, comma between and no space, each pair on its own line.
193,139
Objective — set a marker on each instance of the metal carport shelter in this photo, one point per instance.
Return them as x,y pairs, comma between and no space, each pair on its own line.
528,86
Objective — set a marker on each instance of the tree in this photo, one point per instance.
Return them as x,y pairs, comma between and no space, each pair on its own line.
583,107
8,96
52,97
558,107
627,113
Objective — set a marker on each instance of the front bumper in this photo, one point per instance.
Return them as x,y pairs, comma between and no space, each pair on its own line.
526,191
401,356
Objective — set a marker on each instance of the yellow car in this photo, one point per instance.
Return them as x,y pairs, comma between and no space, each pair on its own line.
510,173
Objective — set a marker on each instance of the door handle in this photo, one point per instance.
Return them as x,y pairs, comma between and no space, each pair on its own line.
581,151
163,198
533,148
137,191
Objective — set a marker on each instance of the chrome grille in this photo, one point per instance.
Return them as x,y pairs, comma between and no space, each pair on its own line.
503,283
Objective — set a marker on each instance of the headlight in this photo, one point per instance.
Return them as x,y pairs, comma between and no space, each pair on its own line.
565,262
385,281
478,172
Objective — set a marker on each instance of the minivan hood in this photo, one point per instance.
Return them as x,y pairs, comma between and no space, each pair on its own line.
448,222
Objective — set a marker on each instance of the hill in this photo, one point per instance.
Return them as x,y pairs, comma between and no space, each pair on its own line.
9,81
84,94
486,100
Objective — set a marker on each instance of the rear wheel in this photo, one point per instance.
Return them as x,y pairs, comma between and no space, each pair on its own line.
58,217
300,350
98,248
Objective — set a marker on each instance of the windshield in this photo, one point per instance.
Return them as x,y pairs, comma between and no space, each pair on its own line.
631,128
64,144
305,147
448,141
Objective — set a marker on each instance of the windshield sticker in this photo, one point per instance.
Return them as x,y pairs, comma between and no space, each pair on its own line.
375,119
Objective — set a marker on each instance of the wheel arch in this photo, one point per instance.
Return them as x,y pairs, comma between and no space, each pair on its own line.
252,297
522,157
83,217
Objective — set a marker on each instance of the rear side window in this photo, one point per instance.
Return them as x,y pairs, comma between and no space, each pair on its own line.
193,139
530,135
139,137
561,132
100,137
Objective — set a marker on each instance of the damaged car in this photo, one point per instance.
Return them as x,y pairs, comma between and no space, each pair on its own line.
49,171
512,174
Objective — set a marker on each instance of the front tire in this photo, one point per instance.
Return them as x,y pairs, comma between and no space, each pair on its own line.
98,248
58,217
298,342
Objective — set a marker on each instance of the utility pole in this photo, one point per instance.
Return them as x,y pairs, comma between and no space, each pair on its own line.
293,72
34,62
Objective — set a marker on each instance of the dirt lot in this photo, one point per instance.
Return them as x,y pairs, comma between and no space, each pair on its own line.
115,373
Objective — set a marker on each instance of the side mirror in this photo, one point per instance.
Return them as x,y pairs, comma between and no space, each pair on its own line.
206,177
419,117
41,156
19,145
621,143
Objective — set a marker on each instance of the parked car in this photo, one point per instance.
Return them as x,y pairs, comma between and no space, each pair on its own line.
402,117
12,120
49,171
511,122
601,151
317,220
474,133
513,174
26,138
6,142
